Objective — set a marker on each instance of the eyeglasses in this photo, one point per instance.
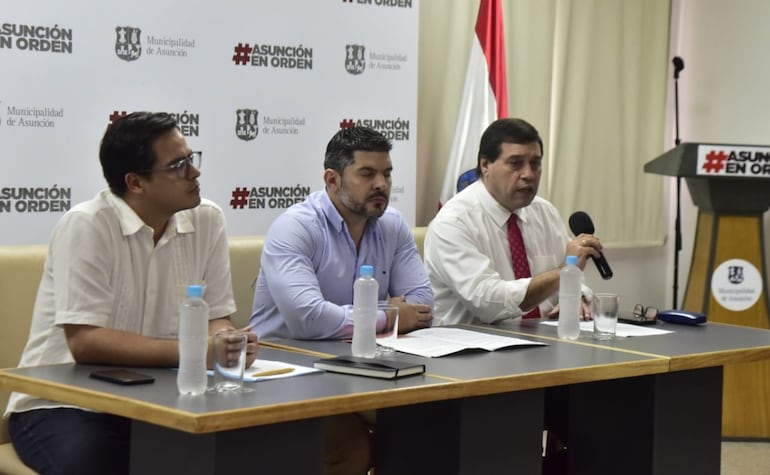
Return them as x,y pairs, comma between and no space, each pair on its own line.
182,166
645,313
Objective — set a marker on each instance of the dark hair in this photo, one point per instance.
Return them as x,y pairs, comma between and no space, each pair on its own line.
127,146
505,130
339,151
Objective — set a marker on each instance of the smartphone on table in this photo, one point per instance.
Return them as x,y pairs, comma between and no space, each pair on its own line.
122,376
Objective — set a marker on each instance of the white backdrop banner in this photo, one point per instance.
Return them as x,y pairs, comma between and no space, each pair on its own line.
259,87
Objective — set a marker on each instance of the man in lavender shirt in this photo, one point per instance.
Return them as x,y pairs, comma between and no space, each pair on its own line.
312,255
313,251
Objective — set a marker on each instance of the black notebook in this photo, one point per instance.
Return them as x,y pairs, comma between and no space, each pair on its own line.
372,367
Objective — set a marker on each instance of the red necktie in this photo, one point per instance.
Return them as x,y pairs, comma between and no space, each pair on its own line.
519,257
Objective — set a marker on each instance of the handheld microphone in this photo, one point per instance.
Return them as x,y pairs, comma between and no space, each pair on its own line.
580,223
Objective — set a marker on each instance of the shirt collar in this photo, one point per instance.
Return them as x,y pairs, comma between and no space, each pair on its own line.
332,214
131,223
492,207
334,217
499,214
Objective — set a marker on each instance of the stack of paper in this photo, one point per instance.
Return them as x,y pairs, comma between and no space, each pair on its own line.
441,341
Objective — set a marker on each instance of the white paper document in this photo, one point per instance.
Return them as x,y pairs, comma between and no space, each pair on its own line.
622,330
441,341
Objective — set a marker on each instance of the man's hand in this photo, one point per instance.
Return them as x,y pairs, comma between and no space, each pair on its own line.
252,347
412,316
584,246
585,311
224,324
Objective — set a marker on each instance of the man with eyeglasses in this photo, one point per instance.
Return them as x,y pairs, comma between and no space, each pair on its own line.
115,273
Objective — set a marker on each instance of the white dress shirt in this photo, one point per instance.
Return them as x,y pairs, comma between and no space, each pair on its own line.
469,260
103,269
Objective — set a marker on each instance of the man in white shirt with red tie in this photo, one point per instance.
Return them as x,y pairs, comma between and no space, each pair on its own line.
494,250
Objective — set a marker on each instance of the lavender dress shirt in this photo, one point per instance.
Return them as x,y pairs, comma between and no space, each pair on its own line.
309,264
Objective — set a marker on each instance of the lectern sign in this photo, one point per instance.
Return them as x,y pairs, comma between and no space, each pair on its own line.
736,284
733,160
730,184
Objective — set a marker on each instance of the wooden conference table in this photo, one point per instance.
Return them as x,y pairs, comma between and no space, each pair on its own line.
647,405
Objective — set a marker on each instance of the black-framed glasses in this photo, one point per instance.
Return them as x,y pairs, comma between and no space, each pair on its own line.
645,313
182,166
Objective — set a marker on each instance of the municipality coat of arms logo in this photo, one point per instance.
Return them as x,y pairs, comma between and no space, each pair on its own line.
735,274
355,62
246,127
128,45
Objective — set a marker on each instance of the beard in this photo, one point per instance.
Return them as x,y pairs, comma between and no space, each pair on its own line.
364,208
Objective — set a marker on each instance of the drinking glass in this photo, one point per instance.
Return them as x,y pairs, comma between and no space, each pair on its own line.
605,314
229,360
387,334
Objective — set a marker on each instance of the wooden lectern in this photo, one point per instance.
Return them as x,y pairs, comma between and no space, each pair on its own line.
730,184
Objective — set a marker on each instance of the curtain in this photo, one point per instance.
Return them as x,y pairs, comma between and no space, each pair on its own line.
590,75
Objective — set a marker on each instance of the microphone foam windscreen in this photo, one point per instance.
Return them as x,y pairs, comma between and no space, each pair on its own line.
580,222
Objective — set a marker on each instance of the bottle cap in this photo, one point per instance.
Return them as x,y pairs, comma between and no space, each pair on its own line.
195,291
572,260
367,271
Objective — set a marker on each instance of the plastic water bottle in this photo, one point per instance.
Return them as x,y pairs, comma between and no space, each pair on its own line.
570,279
193,342
365,297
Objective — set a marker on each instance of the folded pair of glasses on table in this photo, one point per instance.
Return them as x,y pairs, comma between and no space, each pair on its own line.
641,315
